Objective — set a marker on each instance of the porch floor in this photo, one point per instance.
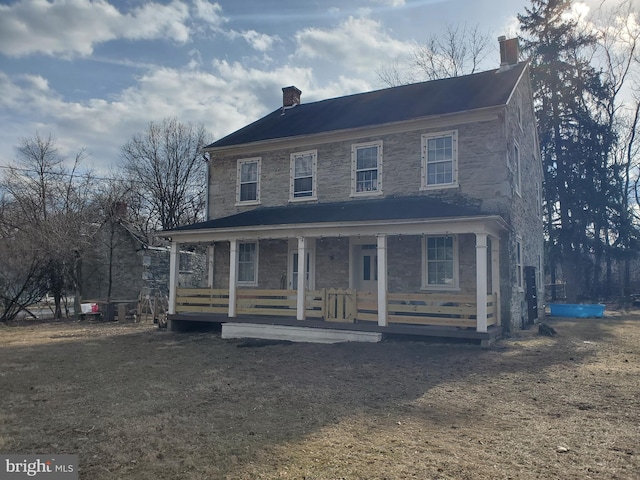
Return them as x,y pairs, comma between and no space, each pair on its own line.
176,321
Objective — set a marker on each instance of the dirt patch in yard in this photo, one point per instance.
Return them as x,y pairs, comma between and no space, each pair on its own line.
138,403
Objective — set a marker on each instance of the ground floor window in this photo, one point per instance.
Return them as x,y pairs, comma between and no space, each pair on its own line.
248,263
440,262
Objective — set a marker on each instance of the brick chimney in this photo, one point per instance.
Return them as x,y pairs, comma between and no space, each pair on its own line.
290,97
509,52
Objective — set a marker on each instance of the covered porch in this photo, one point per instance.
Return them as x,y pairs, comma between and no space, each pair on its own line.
401,270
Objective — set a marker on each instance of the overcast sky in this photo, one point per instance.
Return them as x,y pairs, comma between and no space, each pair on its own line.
93,73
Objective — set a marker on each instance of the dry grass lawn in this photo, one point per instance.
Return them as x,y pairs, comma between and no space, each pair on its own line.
138,403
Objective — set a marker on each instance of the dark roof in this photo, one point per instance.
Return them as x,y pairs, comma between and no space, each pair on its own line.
390,208
437,97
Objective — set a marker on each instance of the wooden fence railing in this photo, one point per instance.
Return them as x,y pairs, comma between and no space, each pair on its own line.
342,305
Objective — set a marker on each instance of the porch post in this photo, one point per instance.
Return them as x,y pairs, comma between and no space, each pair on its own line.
495,275
233,276
302,278
481,282
382,280
210,253
174,260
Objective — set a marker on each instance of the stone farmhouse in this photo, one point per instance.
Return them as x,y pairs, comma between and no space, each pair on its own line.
411,210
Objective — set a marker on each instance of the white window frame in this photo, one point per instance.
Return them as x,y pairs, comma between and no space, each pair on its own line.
425,185
253,282
314,176
239,183
538,199
519,264
517,168
354,170
455,285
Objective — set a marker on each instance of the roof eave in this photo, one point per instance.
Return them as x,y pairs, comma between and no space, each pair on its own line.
489,224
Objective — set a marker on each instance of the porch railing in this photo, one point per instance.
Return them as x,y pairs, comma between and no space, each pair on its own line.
333,305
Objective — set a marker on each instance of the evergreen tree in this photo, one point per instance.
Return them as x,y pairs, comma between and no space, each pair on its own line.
569,96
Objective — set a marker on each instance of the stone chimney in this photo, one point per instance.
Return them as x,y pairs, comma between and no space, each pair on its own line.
509,52
290,97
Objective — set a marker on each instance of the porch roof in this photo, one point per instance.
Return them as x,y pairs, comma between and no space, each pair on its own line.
380,209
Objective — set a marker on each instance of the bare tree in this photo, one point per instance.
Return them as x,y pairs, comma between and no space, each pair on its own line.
167,166
50,205
459,51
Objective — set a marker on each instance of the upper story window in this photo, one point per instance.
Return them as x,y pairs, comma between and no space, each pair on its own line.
519,111
303,176
366,168
516,165
439,159
248,182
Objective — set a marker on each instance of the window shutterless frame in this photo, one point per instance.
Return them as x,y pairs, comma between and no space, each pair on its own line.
366,169
303,176
248,181
439,160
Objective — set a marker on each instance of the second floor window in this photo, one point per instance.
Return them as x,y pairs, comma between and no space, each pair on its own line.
303,176
248,186
439,159
366,172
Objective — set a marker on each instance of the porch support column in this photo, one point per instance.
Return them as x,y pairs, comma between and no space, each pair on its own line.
382,280
481,282
233,276
174,266
302,278
495,274
210,252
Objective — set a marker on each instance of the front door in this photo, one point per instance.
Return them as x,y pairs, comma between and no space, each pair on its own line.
367,274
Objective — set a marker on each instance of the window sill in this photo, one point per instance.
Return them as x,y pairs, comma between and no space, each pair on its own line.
441,186
247,284
247,204
366,194
303,199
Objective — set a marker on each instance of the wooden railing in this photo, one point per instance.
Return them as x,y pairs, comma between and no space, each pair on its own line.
248,302
202,300
278,302
425,309
342,305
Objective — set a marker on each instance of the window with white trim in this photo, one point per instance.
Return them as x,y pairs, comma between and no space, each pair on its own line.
516,167
248,263
519,111
519,269
248,181
303,176
440,262
439,159
366,168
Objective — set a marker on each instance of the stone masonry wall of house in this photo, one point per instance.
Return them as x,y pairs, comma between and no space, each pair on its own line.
133,268
478,146
525,214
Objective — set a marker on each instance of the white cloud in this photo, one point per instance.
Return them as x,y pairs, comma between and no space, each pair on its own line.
359,43
209,12
259,41
392,3
74,27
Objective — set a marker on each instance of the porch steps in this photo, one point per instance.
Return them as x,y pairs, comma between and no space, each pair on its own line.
296,334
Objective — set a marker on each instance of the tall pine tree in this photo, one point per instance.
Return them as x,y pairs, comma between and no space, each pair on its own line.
569,93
